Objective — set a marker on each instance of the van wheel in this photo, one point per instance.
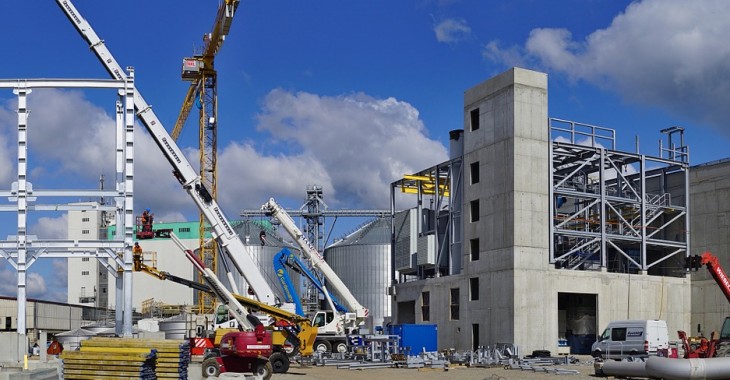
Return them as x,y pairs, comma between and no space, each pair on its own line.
597,354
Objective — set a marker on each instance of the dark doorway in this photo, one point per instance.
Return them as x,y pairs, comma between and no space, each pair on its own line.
577,321
474,336
406,312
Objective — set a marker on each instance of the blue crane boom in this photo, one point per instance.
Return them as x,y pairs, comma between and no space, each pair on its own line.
284,259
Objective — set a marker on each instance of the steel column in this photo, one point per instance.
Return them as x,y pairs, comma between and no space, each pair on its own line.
22,192
128,225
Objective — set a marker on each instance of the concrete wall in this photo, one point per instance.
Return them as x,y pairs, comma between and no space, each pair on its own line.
10,349
710,231
620,296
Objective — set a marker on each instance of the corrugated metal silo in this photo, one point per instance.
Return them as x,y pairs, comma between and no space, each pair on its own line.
362,261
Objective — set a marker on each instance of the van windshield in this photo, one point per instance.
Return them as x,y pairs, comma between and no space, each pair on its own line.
725,332
606,334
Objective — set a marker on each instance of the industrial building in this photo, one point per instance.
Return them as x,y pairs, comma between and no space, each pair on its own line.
538,229
535,230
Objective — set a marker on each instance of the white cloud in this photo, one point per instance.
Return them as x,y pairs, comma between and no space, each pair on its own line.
49,288
667,53
451,30
36,285
79,143
251,178
8,279
8,152
358,143
51,228
352,145
512,56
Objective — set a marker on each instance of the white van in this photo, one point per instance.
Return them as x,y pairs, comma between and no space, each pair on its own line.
632,338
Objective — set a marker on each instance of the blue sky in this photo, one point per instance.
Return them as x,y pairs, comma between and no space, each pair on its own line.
349,95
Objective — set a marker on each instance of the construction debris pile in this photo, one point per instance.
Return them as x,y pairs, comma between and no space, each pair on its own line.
117,358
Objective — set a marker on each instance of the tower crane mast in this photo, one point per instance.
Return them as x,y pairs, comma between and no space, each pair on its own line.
201,73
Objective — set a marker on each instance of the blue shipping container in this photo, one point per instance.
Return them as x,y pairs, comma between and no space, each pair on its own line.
416,338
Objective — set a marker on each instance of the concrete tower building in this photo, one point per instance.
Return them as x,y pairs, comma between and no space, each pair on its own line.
88,280
557,236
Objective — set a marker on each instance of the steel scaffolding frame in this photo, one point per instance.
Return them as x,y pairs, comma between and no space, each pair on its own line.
616,211
23,250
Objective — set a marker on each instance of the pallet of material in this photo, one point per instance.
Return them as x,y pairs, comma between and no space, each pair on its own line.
110,364
171,357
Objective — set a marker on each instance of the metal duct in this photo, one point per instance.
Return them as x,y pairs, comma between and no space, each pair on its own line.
682,369
625,369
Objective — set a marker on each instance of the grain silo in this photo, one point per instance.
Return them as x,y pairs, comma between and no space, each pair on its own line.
263,255
362,261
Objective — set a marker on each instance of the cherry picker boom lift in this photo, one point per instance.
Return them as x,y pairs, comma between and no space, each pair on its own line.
292,333
713,347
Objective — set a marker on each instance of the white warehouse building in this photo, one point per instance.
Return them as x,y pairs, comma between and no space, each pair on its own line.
91,284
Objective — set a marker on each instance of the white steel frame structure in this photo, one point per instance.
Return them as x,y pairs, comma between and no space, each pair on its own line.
615,211
23,250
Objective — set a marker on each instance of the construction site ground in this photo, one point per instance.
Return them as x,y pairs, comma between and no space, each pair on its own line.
461,372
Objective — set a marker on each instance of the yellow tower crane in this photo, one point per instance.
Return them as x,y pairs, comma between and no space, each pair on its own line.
203,91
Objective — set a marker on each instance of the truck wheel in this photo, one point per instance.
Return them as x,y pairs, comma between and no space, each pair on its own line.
210,367
322,346
597,354
722,351
340,347
263,370
279,362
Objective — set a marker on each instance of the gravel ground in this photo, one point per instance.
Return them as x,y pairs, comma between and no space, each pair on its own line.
296,372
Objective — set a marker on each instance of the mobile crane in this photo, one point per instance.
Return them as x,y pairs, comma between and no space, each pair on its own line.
719,347
289,327
191,182
335,326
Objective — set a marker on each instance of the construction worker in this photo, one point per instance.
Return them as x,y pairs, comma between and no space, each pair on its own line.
146,220
137,255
